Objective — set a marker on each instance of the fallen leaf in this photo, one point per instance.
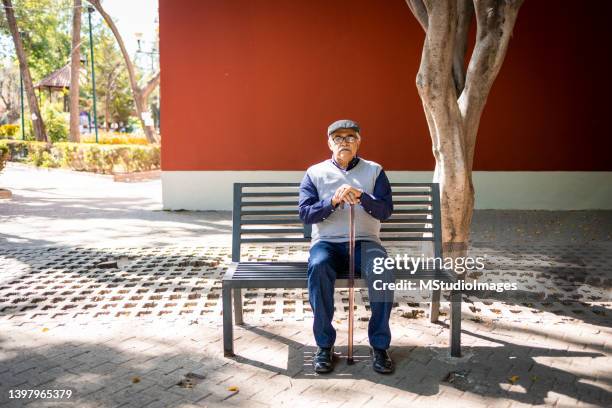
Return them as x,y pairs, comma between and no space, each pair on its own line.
232,388
135,380
45,329
513,379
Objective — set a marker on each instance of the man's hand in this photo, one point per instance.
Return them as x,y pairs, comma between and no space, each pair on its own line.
346,194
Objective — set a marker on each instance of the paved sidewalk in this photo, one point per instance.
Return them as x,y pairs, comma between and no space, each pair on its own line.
55,206
103,294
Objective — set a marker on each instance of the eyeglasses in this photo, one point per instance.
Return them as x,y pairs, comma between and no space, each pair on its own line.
348,139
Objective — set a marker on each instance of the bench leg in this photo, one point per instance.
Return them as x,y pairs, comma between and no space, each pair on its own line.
434,307
228,329
238,306
455,324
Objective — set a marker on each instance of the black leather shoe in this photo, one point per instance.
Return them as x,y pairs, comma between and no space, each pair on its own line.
322,360
381,362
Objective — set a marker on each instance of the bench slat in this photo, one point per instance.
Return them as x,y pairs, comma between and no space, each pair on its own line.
272,231
296,194
298,239
298,221
267,203
295,203
384,228
298,272
270,212
295,212
279,240
411,211
272,194
283,221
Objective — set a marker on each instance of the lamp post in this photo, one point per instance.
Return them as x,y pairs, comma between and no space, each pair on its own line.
90,10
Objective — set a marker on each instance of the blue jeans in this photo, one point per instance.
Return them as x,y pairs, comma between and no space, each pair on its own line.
326,258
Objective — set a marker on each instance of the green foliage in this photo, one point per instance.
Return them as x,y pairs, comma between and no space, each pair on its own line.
9,91
57,122
134,125
4,156
85,157
47,25
36,153
115,102
47,43
20,149
8,131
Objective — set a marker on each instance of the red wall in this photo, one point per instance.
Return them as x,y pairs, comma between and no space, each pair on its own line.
253,85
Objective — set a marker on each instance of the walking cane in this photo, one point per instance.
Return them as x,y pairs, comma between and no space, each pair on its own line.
351,282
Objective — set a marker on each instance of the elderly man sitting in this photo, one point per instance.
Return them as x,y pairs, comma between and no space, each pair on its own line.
325,193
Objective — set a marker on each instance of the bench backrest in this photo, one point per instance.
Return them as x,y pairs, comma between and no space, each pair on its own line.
268,213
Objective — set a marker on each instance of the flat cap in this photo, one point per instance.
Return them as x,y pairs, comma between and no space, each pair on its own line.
343,124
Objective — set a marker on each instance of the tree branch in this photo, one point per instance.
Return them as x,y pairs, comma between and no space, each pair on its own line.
150,86
420,12
136,90
111,24
435,70
495,21
465,12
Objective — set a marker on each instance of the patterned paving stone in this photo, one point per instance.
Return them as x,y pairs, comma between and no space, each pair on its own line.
128,326
83,283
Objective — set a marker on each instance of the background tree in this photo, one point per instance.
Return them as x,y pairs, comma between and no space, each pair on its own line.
140,94
48,26
75,72
113,83
454,97
9,93
38,124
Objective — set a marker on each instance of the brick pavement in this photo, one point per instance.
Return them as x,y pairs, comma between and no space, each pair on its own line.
140,327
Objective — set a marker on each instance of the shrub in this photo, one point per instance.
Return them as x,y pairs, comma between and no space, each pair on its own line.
107,158
20,149
36,154
4,156
56,122
48,160
85,157
8,131
115,138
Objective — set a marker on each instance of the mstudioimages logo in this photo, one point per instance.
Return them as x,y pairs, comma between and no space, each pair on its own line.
415,264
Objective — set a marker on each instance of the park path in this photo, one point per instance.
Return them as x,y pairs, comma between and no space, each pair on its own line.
62,207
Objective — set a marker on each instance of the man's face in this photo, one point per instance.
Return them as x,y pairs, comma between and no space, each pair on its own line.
339,144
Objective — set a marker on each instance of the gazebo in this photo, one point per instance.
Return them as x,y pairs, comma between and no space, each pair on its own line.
56,82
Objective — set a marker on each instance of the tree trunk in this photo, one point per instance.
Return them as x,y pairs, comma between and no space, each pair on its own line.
37,120
453,98
137,93
144,97
75,73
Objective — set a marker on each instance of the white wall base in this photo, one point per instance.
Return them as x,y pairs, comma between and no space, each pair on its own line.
524,190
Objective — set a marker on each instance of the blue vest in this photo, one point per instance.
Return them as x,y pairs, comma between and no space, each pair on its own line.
327,178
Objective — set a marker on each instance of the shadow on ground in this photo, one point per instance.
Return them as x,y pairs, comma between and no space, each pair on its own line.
481,370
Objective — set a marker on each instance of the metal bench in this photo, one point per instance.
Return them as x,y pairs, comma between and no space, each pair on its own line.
268,213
